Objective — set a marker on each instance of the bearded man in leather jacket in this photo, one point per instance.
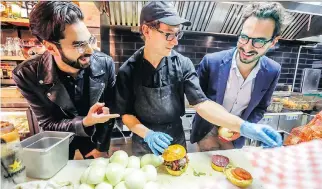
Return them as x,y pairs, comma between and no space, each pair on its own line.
70,86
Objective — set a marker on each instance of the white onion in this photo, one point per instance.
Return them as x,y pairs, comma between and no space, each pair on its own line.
100,161
150,172
86,186
121,185
114,173
104,185
135,180
134,162
93,175
127,172
151,159
120,157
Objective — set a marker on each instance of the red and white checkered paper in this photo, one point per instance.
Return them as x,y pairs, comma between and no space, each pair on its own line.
291,167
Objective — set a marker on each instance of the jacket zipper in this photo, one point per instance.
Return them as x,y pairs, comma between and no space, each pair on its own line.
99,96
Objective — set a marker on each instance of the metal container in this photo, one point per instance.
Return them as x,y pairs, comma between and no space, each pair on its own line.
290,120
45,153
275,107
310,80
270,119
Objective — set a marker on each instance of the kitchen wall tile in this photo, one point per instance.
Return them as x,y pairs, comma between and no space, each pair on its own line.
195,49
132,38
196,45
187,42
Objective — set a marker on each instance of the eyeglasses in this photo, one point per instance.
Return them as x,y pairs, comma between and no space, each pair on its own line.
169,36
256,42
81,47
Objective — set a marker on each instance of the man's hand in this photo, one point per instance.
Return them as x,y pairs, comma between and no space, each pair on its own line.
264,133
96,154
98,113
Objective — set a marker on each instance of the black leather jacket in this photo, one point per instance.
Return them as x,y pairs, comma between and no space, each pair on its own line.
38,82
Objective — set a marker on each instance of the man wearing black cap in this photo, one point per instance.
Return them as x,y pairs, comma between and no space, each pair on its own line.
151,84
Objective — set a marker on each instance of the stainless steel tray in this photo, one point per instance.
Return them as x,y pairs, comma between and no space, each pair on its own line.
46,153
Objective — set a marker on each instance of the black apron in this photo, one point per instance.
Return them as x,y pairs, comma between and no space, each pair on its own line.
159,109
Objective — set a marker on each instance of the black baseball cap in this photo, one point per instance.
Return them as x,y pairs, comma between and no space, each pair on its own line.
164,12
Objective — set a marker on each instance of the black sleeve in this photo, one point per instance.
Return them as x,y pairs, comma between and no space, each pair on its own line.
103,132
124,92
192,88
45,115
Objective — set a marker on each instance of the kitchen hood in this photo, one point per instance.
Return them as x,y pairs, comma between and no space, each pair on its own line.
221,17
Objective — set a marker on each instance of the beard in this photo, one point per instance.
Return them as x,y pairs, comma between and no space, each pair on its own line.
249,57
75,64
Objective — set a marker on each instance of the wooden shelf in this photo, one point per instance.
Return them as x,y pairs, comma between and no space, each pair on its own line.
15,21
12,58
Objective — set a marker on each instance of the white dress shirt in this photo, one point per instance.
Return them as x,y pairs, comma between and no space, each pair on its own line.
238,90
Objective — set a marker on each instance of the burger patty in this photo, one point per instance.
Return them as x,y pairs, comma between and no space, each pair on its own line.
177,164
219,160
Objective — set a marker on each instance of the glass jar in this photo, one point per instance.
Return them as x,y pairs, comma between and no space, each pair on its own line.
14,9
9,46
13,170
16,44
2,50
24,11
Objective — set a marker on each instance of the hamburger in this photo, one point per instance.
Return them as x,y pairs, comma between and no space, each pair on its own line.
238,176
175,159
227,135
219,162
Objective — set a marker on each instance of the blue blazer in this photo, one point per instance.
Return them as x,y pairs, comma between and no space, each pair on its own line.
213,74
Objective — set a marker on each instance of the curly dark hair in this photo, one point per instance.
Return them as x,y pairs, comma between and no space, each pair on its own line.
49,18
268,10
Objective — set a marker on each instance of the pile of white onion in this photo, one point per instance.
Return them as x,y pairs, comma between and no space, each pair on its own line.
122,172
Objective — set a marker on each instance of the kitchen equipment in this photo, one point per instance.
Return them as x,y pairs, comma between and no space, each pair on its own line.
275,107
310,80
6,68
46,153
22,118
299,103
187,124
270,119
290,120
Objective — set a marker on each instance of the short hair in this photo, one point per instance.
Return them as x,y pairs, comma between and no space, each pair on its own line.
48,19
154,24
271,10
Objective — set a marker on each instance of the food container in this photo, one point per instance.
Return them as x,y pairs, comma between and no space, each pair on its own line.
299,103
45,153
275,107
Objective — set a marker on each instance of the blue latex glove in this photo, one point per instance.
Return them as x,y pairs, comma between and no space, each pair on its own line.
157,141
264,133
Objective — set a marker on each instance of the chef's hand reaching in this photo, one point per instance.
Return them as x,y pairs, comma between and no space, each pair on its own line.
157,141
264,133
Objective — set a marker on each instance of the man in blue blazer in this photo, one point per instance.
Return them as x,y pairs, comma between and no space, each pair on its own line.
242,79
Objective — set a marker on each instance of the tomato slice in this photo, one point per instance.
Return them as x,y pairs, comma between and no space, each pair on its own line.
241,174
